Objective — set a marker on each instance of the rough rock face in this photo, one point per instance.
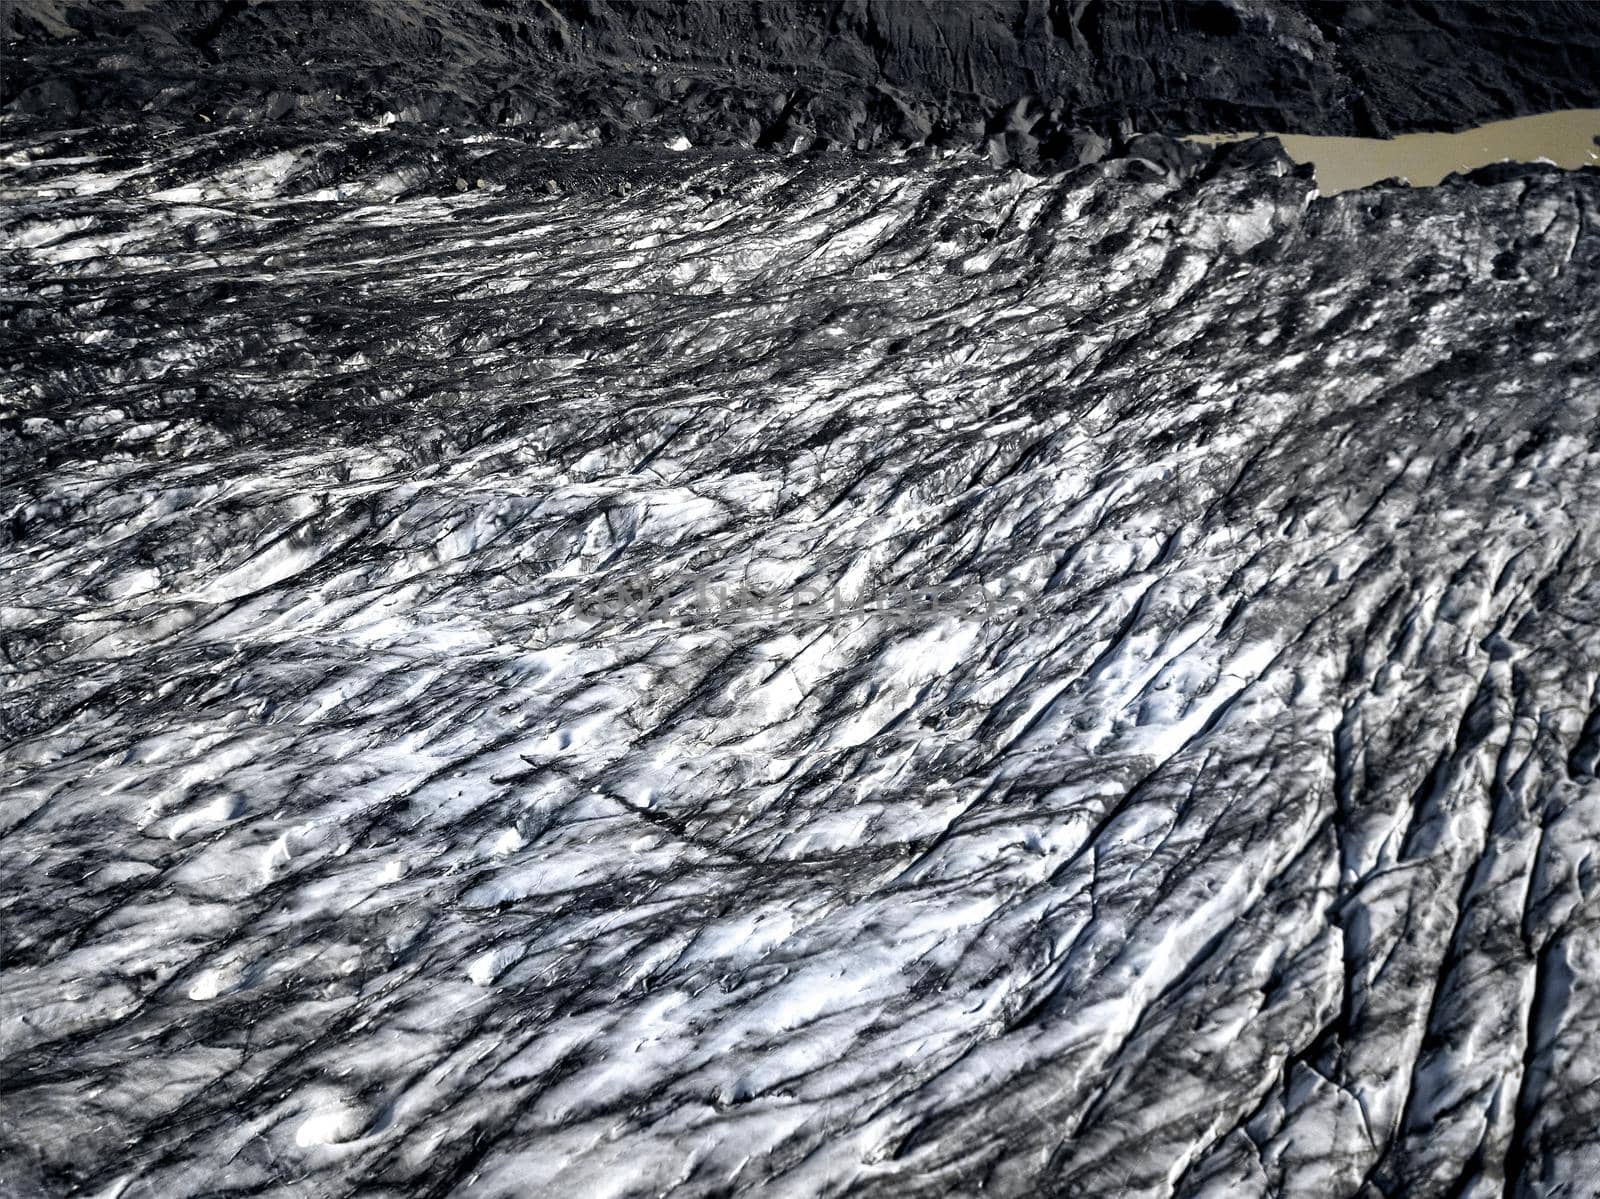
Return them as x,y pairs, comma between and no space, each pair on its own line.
712,674
1017,79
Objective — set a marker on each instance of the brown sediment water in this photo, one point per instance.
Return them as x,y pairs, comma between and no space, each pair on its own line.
1422,159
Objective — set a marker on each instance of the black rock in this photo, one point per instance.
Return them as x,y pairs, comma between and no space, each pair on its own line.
790,73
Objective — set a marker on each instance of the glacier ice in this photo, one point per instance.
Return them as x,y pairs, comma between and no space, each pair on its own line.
348,851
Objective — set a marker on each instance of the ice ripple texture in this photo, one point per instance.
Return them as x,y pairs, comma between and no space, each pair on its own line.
347,850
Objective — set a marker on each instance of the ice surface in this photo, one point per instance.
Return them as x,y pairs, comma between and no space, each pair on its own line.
348,851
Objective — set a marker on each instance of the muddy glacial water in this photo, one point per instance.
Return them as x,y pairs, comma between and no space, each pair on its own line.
1423,159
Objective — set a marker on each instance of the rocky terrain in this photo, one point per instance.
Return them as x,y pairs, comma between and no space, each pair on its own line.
621,672
1020,80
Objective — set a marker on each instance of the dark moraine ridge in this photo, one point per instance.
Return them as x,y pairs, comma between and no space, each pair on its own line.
1020,78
